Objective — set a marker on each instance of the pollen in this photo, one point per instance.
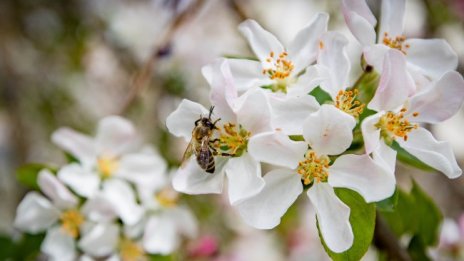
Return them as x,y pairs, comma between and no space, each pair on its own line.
346,101
321,45
107,166
71,221
396,43
233,139
393,125
313,168
167,198
280,68
131,251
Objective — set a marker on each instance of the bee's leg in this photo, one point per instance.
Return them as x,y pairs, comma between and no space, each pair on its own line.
214,123
197,121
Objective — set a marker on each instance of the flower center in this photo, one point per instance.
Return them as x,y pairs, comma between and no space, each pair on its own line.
130,251
394,125
70,222
107,166
313,168
280,68
346,101
233,140
396,43
167,197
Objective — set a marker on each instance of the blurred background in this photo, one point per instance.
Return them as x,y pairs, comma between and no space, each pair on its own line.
69,63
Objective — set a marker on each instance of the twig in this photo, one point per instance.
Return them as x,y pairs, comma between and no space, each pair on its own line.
385,240
141,78
238,10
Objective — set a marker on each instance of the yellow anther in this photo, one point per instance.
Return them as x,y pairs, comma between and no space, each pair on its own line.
346,101
71,220
107,166
167,197
321,45
393,125
313,168
233,140
131,251
396,43
281,67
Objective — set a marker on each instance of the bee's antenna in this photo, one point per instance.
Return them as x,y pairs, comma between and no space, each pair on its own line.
211,111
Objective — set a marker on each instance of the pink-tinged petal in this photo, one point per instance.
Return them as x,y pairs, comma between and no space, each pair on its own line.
122,198
375,55
333,217
276,148
244,178
432,57
143,169
160,235
333,57
371,134
363,175
58,245
181,122
79,145
264,210
115,136
391,18
254,112
186,222
329,131
35,214
360,20
248,74
437,154
191,179
288,111
441,101
305,83
395,85
55,190
302,51
99,209
385,157
101,240
223,93
261,41
82,181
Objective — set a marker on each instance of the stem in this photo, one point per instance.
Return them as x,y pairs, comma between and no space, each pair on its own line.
385,240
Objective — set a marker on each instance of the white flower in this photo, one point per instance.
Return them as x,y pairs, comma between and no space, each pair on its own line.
438,101
429,57
327,132
241,118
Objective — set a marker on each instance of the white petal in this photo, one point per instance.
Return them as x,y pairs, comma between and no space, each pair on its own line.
302,51
385,157
191,179
439,102
374,56
395,85
186,222
333,217
392,18
437,154
182,121
432,57
147,169
371,134
334,58
360,20
254,112
58,245
248,74
361,174
101,240
115,136
99,209
264,210
261,41
276,148
35,214
55,190
160,235
329,130
223,93
79,145
122,199
305,83
82,181
288,111
244,178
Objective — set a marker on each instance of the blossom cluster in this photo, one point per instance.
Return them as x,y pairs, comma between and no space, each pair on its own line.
113,200
264,111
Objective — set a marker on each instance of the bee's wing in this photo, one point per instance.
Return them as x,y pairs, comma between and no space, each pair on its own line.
188,153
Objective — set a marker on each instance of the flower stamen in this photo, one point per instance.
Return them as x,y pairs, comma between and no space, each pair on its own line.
313,168
167,198
346,101
107,166
233,140
131,251
393,125
281,68
71,221
396,43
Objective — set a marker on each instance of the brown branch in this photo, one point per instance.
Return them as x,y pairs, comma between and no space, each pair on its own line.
142,77
385,240
238,10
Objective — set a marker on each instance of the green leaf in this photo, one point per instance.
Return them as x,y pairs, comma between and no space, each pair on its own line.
161,258
234,56
367,85
417,250
320,95
407,158
388,204
27,174
362,220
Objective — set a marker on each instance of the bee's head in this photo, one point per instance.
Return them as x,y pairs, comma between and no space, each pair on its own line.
207,121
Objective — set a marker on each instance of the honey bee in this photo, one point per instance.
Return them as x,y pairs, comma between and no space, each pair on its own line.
201,143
